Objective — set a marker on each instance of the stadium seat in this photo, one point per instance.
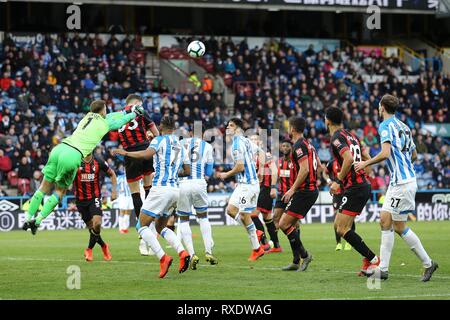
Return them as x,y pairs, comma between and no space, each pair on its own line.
12,178
23,185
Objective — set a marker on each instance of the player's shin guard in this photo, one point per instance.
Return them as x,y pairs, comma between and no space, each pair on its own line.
272,232
126,221
151,240
358,243
92,239
120,222
35,202
251,230
137,203
49,205
205,228
259,226
186,235
172,239
96,238
387,244
414,243
294,240
153,228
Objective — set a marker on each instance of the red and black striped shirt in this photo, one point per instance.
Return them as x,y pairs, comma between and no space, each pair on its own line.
267,174
304,150
87,182
134,133
286,173
333,168
341,141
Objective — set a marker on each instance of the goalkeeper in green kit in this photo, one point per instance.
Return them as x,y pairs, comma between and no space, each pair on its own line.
65,158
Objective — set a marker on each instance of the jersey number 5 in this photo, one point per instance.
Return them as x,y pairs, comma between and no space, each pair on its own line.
131,126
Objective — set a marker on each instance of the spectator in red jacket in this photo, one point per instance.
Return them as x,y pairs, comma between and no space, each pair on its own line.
5,165
370,128
5,81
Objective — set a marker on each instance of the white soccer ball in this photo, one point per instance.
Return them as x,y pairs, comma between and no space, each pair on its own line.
196,49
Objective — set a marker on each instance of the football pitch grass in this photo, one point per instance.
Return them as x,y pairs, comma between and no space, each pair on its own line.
36,268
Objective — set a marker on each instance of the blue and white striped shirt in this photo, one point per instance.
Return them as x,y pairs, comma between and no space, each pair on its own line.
243,149
200,154
168,160
122,186
400,164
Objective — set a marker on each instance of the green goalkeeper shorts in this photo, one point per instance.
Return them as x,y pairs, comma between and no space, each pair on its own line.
62,165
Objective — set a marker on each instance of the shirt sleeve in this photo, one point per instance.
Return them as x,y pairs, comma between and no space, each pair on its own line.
237,151
340,144
385,133
155,144
301,153
102,164
116,120
413,146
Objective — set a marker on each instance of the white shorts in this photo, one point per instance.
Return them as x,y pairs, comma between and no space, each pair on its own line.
400,200
192,193
245,197
160,201
125,203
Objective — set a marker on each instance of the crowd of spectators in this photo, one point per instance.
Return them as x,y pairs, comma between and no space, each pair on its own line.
276,81
46,89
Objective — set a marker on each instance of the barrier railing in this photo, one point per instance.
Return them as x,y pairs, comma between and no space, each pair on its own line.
64,203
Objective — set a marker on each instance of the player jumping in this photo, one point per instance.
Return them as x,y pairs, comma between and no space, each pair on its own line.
133,137
356,189
65,158
170,162
244,198
302,195
399,151
88,200
193,193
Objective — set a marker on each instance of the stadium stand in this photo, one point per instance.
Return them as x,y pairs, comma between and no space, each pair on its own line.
46,90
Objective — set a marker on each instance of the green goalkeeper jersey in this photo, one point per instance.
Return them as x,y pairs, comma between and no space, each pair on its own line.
93,127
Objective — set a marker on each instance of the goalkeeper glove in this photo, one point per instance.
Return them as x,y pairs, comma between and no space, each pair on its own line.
138,109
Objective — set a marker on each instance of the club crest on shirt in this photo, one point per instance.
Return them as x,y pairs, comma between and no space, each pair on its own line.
384,133
299,152
336,143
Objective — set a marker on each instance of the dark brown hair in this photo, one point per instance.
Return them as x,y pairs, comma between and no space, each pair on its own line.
97,106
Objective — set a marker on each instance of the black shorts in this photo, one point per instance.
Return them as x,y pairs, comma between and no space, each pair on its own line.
301,202
136,169
354,200
89,209
265,201
280,204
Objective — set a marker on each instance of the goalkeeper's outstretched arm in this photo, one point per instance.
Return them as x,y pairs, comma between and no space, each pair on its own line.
117,119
